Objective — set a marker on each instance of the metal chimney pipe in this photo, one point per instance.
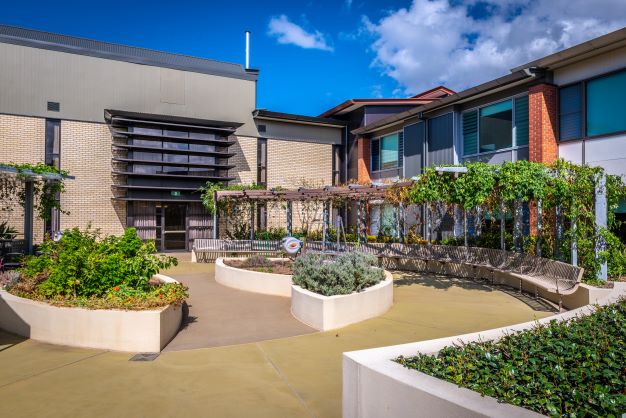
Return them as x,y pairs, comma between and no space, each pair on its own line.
247,49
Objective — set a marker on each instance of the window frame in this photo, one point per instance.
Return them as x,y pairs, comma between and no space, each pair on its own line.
380,155
583,85
513,146
261,161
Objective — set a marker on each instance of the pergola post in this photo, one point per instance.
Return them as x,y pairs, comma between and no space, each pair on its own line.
214,232
502,225
465,227
517,225
401,222
29,189
601,222
289,218
325,226
558,232
252,207
539,227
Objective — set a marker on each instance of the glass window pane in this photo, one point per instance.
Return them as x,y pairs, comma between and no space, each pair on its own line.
606,112
178,134
496,126
175,170
198,159
146,131
389,151
175,145
521,121
146,143
470,132
146,169
175,158
375,155
149,156
202,147
201,135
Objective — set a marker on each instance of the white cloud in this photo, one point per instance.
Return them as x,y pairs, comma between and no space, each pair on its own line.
436,42
287,32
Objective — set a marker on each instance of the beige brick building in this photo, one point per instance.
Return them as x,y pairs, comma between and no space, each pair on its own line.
140,131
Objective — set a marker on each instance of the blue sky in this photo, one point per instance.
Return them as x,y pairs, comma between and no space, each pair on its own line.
315,54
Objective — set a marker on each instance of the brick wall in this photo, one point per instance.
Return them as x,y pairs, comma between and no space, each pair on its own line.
542,124
291,165
86,154
364,160
244,160
22,140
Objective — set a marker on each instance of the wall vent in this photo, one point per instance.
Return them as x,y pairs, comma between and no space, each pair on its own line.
261,128
54,106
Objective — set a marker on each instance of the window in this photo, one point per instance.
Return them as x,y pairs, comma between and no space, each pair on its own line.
336,165
53,142
385,152
571,112
497,126
606,112
53,158
261,158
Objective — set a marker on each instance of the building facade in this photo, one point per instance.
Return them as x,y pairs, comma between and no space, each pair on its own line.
140,131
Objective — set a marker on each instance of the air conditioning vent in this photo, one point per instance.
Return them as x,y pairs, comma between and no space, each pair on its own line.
54,106
261,128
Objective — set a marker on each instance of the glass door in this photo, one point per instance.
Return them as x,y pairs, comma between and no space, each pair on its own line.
174,228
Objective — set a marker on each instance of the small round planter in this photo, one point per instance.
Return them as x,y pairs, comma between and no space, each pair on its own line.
109,329
252,281
330,312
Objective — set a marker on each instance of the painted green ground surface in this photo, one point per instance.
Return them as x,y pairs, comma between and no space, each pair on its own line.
290,376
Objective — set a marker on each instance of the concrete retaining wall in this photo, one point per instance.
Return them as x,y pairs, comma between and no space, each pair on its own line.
252,281
119,330
375,386
330,312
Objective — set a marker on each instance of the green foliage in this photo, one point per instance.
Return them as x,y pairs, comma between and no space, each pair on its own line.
45,192
83,265
347,273
571,369
7,231
562,184
207,191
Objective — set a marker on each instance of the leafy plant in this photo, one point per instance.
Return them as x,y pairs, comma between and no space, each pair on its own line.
347,273
573,368
7,231
82,264
45,191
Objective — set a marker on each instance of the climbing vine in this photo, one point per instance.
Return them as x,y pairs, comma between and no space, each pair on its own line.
45,191
565,191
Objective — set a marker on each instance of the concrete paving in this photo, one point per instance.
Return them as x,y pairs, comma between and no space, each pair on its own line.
293,376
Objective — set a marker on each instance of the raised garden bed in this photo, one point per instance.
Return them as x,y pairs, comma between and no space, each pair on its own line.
376,385
241,274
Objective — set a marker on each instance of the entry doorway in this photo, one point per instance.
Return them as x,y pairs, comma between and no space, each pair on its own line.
171,231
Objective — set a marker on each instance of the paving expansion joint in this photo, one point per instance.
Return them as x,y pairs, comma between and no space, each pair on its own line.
284,379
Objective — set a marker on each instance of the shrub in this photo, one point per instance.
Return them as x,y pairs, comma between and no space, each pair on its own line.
257,261
573,368
345,274
82,264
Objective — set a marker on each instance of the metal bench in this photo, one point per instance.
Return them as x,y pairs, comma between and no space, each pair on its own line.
209,250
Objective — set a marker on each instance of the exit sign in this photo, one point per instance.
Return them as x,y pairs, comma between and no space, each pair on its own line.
175,193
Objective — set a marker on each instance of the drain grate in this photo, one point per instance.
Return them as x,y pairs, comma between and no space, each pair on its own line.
144,357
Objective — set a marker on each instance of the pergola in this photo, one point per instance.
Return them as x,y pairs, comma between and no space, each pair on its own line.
353,192
29,177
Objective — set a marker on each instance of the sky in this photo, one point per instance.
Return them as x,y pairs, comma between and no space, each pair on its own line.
315,54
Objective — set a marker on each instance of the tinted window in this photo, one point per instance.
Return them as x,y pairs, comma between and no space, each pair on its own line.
496,126
606,110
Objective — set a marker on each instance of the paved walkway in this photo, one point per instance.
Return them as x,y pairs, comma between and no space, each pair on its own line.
298,376
219,315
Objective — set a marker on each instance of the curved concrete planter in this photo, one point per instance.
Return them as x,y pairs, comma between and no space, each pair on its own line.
135,331
252,281
330,312
374,385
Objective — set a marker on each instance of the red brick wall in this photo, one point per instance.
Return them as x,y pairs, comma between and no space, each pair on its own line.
364,160
542,123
